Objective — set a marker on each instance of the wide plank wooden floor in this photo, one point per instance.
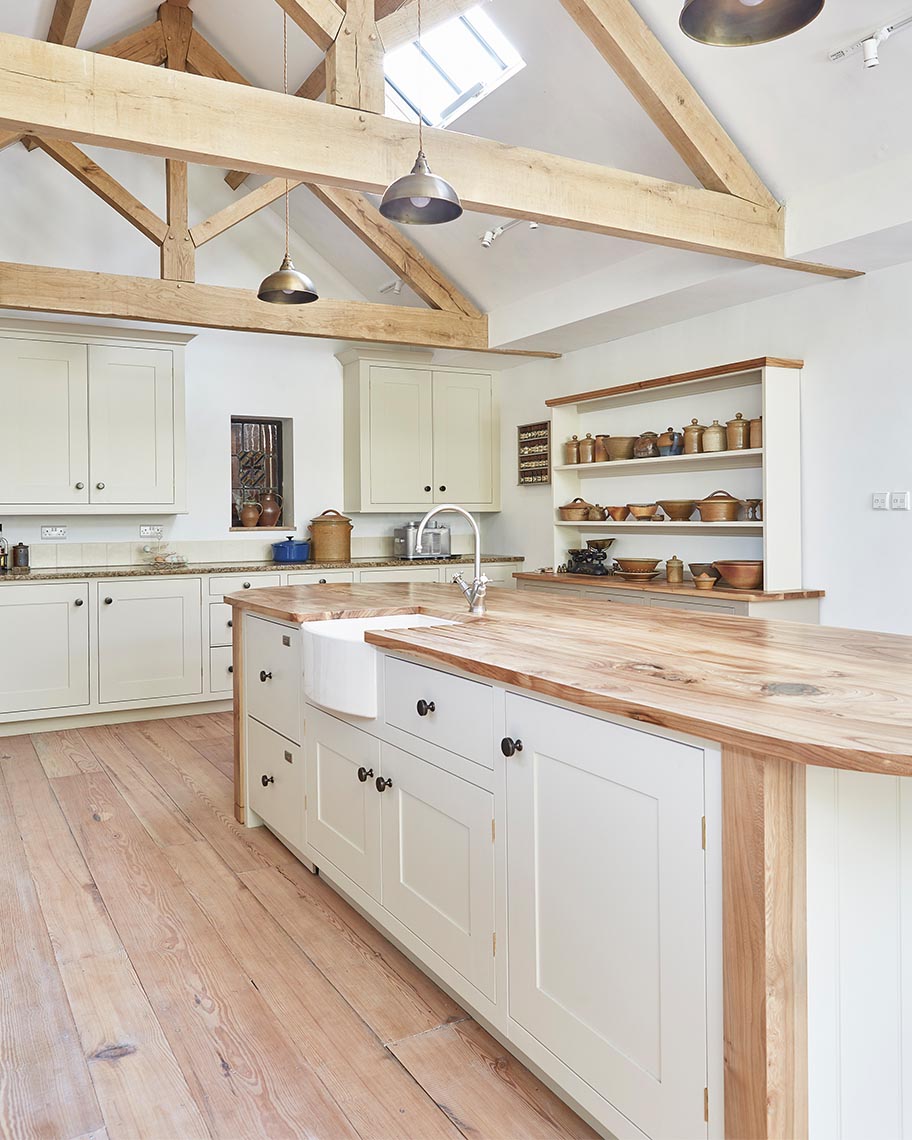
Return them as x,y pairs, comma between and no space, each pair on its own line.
169,975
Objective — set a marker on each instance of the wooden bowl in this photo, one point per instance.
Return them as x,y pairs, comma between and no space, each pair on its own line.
742,575
641,511
617,513
638,565
678,510
704,581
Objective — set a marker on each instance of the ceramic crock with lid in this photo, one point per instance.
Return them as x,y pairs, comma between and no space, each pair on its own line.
331,537
714,437
693,438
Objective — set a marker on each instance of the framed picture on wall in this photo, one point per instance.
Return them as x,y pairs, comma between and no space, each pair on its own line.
533,446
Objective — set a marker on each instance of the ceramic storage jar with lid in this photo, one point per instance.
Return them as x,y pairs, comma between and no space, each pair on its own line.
331,537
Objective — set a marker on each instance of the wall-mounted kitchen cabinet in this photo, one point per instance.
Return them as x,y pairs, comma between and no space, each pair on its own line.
417,435
95,422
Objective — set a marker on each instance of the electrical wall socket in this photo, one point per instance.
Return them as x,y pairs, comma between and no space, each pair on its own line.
53,532
899,501
151,532
880,501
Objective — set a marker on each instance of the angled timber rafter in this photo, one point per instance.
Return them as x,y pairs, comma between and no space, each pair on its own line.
667,96
320,19
67,21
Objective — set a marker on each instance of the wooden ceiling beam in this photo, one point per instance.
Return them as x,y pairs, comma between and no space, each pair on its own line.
144,46
668,97
320,19
204,59
8,138
240,209
67,21
177,24
91,175
35,288
67,93
354,61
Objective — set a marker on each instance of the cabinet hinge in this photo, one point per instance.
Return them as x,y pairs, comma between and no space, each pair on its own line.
703,831
493,830
706,1105
494,943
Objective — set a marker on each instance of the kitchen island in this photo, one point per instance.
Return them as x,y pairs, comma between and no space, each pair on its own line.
645,780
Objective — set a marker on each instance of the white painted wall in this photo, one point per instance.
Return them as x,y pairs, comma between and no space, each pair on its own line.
856,339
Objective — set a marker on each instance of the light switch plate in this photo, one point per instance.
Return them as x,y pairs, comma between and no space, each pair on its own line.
53,532
151,532
899,501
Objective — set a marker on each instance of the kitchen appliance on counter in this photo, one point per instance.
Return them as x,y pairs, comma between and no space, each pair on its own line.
435,542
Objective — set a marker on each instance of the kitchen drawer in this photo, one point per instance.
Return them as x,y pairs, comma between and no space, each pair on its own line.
220,669
697,605
273,675
320,577
548,588
220,584
220,623
625,597
275,781
406,574
461,720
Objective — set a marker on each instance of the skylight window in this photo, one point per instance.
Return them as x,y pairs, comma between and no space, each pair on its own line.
458,63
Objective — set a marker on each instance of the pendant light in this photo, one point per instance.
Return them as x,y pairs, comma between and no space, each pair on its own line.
287,286
421,198
740,23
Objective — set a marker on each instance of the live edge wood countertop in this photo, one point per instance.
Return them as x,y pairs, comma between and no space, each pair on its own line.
839,698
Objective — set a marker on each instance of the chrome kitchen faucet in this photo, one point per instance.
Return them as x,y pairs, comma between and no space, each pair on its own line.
474,594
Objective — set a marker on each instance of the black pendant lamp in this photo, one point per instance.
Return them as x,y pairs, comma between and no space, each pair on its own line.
740,23
421,198
287,286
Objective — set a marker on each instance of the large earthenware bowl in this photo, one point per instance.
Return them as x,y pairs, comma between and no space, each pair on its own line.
742,575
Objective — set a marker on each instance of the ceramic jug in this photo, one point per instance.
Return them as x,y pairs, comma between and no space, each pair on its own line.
272,509
250,513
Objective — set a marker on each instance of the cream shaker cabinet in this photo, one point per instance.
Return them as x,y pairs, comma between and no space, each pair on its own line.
149,639
605,870
96,423
44,629
417,436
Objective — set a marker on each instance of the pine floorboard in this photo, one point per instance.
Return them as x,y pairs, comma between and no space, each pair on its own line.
169,975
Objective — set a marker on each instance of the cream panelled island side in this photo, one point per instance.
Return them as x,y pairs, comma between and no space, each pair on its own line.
590,836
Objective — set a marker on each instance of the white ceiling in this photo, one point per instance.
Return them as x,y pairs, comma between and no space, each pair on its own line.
801,120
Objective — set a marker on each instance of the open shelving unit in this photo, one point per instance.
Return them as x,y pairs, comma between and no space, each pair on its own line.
764,386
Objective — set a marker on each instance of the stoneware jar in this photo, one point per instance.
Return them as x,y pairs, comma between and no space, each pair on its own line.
714,437
272,509
671,442
587,449
601,449
331,537
756,432
674,570
249,513
646,446
693,438
571,450
737,433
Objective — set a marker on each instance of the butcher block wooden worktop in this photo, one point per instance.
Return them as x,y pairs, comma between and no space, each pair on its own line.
807,694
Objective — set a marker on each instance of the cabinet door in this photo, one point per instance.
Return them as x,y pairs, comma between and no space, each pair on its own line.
149,639
438,862
131,420
463,438
606,909
44,395
275,778
401,454
274,675
44,631
343,809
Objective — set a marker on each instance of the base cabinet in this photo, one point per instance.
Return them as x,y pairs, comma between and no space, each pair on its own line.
44,631
276,767
149,639
437,862
606,910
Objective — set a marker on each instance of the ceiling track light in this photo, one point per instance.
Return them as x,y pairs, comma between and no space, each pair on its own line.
490,236
421,198
741,23
287,286
869,45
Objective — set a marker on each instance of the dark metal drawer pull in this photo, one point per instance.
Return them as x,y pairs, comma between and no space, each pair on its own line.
264,676
365,774
230,624
382,784
108,601
267,780
78,601
425,707
230,668
508,746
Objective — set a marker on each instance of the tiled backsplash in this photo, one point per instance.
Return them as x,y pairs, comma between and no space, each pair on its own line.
49,555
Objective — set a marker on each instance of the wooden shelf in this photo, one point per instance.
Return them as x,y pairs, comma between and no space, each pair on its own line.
703,461
631,526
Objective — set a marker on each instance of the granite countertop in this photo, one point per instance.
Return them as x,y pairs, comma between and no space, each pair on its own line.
805,693
191,569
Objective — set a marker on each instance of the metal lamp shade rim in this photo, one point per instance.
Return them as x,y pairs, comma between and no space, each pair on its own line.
732,23
442,205
287,286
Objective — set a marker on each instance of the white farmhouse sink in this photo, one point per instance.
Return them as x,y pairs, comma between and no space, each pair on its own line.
340,668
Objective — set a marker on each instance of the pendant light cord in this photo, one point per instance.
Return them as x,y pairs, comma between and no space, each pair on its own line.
421,107
285,90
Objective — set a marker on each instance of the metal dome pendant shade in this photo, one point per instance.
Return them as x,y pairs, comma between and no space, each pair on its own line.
740,23
421,198
287,286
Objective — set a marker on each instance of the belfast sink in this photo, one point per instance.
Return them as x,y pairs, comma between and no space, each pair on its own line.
340,668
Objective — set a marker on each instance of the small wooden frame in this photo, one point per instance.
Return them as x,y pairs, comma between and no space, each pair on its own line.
533,453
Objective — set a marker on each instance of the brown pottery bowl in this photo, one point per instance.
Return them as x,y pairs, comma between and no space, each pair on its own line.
678,510
617,513
638,565
620,446
642,511
704,581
742,575
698,568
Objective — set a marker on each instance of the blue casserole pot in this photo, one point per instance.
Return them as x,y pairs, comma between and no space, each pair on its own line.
291,550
